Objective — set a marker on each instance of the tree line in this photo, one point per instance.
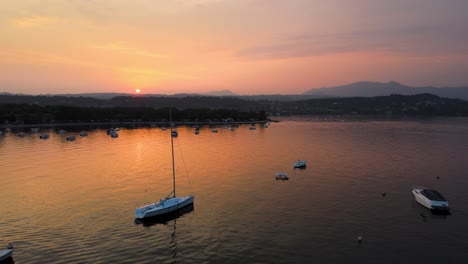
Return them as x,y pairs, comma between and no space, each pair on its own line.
35,114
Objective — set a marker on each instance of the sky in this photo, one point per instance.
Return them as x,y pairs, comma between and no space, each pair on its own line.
246,46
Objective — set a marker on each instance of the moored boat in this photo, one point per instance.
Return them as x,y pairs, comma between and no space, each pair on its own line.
430,198
281,176
171,202
6,253
300,164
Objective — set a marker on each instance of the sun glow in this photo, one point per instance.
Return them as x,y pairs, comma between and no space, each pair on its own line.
137,90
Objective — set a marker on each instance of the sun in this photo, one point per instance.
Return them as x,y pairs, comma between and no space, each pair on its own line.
137,91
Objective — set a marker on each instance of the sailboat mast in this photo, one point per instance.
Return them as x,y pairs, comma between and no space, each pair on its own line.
172,148
173,165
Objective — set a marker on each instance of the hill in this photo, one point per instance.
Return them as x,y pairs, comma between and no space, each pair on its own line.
368,89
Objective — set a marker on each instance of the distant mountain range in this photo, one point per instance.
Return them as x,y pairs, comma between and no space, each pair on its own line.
369,89
358,89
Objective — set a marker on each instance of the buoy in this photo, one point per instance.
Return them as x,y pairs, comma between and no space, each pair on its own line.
359,239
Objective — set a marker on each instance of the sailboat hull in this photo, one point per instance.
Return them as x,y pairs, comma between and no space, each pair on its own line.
164,206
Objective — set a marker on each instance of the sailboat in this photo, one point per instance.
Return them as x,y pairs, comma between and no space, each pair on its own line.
169,204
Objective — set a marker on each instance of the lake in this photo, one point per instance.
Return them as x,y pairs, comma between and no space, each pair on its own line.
73,202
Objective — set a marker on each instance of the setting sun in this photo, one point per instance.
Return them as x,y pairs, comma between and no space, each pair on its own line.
137,90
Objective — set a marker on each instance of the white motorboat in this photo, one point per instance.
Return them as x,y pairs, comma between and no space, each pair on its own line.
168,204
281,176
300,164
430,199
6,253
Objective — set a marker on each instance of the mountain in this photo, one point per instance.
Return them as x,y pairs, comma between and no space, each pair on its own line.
368,89
112,95
220,93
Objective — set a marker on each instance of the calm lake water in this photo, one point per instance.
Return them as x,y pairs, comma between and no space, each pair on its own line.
73,202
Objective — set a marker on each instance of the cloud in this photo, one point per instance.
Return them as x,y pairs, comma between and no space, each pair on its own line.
153,72
121,48
414,40
35,21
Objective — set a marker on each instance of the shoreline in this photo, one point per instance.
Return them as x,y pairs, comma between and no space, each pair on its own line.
136,123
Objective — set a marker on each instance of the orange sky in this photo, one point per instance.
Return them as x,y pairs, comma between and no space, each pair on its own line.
246,46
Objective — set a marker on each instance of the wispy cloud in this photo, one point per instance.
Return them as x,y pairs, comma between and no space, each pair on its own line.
154,72
122,48
35,21
416,40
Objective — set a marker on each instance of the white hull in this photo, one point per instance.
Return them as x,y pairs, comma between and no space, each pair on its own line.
4,254
164,206
430,203
300,164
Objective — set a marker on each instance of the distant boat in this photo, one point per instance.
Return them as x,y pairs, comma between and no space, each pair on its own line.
6,253
197,131
174,133
163,128
61,132
252,127
431,199
232,128
168,204
281,176
114,135
71,138
214,130
83,133
21,134
34,130
300,164
44,136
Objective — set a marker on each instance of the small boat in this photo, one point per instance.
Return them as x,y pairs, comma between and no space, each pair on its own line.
61,132
299,164
44,136
431,199
252,127
114,135
6,253
34,130
21,134
281,176
71,138
174,133
83,133
197,131
214,130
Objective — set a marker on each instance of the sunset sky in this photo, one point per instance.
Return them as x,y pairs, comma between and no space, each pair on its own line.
246,46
